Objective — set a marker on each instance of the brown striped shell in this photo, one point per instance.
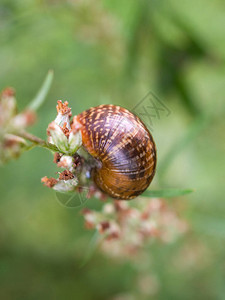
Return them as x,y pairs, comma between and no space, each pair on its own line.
124,146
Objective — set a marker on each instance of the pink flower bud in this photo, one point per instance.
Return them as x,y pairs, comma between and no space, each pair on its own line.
12,147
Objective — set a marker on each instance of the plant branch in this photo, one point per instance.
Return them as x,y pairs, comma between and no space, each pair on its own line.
37,141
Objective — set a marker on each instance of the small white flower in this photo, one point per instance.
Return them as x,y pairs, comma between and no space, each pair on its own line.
66,162
65,185
57,137
108,208
63,119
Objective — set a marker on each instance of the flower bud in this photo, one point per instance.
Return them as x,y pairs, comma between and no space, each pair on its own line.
66,162
90,218
66,182
8,107
11,146
68,140
11,125
64,114
22,120
75,141
57,137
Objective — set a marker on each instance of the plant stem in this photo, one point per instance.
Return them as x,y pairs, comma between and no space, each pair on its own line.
37,141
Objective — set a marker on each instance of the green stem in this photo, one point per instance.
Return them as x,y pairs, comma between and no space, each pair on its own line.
37,141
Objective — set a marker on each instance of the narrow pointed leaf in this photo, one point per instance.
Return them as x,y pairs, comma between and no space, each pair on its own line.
92,247
42,93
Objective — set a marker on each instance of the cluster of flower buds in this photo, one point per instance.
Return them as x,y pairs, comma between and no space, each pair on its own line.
67,180
74,178
66,136
67,140
12,124
127,228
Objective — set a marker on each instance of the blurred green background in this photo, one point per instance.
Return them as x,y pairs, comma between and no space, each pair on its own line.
115,52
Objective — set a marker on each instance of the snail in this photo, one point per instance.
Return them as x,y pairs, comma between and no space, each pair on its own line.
123,147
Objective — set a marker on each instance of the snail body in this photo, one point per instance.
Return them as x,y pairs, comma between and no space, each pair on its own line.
123,147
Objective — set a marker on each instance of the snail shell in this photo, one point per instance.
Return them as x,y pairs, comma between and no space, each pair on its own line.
122,144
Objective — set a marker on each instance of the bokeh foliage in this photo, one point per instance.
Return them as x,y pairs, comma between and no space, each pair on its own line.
115,52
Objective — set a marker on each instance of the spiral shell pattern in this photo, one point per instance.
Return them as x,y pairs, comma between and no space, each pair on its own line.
122,144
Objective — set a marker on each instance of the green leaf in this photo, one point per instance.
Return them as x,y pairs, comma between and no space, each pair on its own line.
167,193
92,247
39,99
